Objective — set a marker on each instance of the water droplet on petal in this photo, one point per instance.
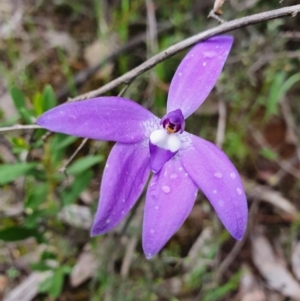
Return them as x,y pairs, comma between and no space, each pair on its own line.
173,176
214,191
180,168
232,175
209,54
166,189
186,175
108,221
218,175
123,212
156,207
204,64
123,200
152,231
239,191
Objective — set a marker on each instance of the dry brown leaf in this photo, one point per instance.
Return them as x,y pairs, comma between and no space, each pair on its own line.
63,40
296,260
99,50
272,269
250,289
28,288
217,6
11,15
77,216
7,106
266,194
3,283
198,249
171,286
84,268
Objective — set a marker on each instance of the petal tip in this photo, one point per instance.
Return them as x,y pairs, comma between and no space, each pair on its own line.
239,234
149,248
41,120
149,256
96,231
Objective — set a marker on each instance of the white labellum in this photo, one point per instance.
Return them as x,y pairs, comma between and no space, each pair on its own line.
162,139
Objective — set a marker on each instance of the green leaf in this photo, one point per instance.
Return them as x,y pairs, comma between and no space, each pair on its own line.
80,183
287,85
268,154
83,164
10,172
273,99
36,196
18,97
13,273
57,283
38,104
19,145
49,98
219,292
66,269
48,255
45,286
40,266
20,104
58,145
19,233
33,219
63,141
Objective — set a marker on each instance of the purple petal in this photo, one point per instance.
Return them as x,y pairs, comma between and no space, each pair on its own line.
197,74
216,176
124,178
103,118
170,198
159,156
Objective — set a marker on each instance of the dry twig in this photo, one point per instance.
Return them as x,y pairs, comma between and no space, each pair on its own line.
213,15
176,48
18,127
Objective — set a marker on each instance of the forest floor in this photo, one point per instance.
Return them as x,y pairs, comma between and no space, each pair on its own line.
53,50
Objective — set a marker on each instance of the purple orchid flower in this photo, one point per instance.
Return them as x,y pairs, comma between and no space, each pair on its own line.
181,162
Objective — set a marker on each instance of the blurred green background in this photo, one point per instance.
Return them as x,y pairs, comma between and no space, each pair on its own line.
53,50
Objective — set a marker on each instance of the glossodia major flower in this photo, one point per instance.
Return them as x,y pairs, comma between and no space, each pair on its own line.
181,162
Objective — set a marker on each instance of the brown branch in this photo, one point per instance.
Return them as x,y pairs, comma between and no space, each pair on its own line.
18,127
172,50
213,15
64,168
151,27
